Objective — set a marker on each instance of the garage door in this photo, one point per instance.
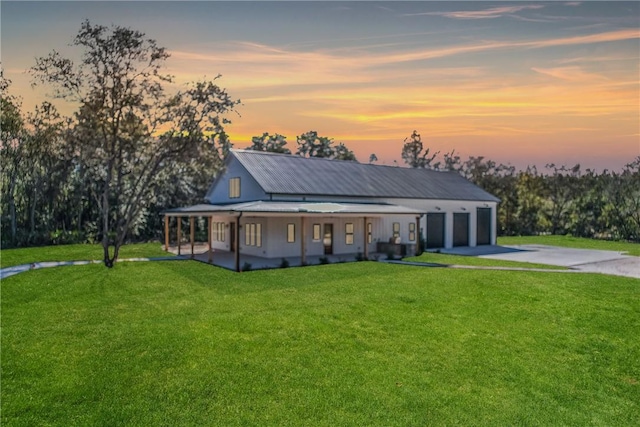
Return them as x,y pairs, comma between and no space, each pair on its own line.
484,226
460,229
435,230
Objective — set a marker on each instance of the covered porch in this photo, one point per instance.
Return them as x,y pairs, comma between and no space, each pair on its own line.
262,234
226,259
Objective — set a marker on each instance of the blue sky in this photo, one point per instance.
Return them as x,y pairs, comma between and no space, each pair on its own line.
518,82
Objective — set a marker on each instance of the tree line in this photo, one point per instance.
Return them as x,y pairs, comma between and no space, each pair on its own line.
555,200
133,148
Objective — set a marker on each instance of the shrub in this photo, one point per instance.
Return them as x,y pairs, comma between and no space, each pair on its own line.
284,263
246,266
324,260
360,257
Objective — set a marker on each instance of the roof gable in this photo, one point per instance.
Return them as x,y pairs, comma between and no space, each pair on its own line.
296,175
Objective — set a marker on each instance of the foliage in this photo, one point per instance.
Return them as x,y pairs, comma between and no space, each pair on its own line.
270,143
130,135
246,266
413,152
284,263
312,145
565,200
359,344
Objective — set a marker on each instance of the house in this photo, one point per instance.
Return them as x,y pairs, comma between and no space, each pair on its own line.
276,206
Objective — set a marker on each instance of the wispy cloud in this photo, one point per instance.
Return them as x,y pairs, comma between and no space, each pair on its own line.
573,74
494,12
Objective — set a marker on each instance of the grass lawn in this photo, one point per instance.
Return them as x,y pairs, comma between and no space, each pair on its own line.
572,242
357,344
437,258
10,257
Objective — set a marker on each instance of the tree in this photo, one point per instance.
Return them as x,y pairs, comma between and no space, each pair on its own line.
373,158
412,152
271,143
312,145
133,131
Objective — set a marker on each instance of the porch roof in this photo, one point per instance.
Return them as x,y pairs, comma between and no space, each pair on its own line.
299,208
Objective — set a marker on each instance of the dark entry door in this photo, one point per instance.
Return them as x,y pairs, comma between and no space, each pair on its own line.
435,230
460,229
232,236
328,239
484,226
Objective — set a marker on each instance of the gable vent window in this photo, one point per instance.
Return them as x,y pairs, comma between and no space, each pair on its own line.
234,188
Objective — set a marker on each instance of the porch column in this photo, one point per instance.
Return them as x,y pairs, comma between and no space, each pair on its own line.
366,239
192,233
237,248
209,231
303,255
179,232
166,233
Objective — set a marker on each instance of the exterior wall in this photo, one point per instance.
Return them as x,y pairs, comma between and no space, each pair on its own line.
449,207
275,236
249,188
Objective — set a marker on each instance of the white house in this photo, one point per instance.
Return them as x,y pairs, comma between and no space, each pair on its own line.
277,206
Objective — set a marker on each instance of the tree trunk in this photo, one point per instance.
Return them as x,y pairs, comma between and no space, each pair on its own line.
12,208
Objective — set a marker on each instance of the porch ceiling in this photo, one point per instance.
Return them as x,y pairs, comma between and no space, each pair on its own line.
268,208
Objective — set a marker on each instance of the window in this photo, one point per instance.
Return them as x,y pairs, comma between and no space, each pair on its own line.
316,232
369,233
253,234
259,235
291,233
412,231
396,230
219,231
234,188
348,233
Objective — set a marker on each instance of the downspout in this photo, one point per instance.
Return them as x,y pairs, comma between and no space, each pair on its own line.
237,239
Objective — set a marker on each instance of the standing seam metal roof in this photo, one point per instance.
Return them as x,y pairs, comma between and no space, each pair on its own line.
290,174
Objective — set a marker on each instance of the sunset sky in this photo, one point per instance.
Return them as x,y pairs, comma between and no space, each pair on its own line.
517,82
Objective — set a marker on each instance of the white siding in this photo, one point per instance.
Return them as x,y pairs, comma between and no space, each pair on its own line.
449,207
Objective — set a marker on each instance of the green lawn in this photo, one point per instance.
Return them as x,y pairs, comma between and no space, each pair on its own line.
10,257
572,242
445,259
355,344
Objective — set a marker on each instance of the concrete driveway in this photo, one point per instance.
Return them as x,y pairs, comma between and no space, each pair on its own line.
587,260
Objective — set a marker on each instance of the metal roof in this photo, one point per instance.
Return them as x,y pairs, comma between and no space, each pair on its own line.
299,208
290,174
